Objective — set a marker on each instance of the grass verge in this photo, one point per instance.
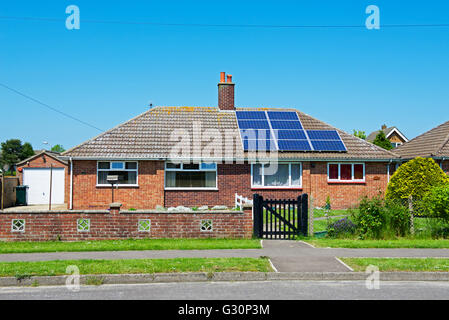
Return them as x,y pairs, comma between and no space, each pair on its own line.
399,264
399,243
128,244
134,266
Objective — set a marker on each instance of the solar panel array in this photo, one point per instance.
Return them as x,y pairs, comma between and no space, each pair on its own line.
283,131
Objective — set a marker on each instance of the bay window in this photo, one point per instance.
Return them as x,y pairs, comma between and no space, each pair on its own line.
346,172
190,175
126,171
287,175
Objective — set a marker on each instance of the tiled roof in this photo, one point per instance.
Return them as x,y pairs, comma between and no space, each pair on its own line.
433,143
152,135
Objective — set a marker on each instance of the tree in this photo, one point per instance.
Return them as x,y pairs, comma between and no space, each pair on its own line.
58,148
360,134
382,141
13,151
415,178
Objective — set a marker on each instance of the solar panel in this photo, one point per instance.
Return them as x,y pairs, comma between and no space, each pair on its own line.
255,134
258,145
253,124
282,124
323,135
282,115
291,134
251,115
294,145
328,145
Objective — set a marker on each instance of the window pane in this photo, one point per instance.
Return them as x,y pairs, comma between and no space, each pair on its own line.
346,171
131,165
296,174
173,165
257,175
170,179
103,165
333,171
211,180
208,166
117,165
358,171
102,177
279,179
191,166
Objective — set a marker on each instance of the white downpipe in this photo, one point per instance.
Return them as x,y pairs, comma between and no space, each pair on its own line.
71,184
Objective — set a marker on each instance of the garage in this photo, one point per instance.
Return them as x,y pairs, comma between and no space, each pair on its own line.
38,182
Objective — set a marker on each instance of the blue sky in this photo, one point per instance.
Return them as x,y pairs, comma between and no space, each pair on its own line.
105,74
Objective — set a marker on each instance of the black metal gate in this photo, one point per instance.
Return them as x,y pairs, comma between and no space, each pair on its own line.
280,218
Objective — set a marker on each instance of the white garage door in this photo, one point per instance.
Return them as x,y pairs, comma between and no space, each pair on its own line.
38,181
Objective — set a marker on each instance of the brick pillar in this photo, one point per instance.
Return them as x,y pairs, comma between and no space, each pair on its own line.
114,208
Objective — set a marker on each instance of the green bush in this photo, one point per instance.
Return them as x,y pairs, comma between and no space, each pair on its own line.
370,218
437,202
379,219
415,178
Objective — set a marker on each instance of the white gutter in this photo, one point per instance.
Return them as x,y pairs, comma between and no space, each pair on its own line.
71,184
388,170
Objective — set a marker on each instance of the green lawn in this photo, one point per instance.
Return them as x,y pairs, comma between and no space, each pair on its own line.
399,264
399,243
129,244
134,266
317,213
321,225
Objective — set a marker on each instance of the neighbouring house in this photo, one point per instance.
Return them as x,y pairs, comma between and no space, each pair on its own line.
36,171
393,134
195,156
431,144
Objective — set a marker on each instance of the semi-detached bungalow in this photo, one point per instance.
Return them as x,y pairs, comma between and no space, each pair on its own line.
195,156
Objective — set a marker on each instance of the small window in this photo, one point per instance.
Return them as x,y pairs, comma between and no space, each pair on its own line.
170,165
208,166
104,165
346,172
117,165
191,166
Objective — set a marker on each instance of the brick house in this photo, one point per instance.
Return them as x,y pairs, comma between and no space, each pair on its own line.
393,134
194,156
431,144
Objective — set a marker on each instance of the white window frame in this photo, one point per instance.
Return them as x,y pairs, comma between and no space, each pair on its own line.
290,186
191,170
124,165
352,172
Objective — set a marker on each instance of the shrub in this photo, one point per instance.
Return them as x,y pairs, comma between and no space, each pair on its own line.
370,218
415,178
341,229
397,219
437,202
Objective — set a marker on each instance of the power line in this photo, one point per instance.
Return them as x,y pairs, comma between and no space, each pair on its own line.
272,26
49,107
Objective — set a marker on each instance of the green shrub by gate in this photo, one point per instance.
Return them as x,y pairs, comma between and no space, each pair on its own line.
280,218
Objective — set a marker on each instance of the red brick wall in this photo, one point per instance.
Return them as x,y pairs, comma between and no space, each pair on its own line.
114,225
44,161
236,178
149,193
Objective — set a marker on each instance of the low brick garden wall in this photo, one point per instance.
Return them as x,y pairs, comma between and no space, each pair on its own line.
74,225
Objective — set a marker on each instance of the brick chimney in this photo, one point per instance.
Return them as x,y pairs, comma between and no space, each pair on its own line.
226,92
384,126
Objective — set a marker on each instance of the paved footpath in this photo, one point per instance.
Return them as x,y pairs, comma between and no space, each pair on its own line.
286,255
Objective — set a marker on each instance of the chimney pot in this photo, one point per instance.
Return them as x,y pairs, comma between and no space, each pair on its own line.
222,77
229,78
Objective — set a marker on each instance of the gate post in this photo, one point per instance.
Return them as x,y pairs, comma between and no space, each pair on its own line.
257,206
303,203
